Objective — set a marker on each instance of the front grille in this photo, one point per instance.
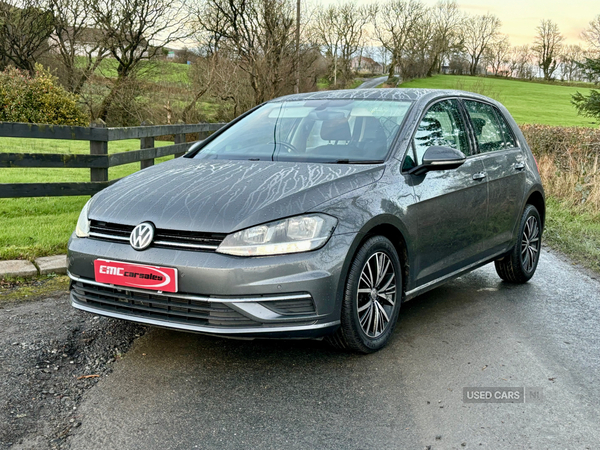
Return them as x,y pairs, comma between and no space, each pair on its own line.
188,240
112,231
162,307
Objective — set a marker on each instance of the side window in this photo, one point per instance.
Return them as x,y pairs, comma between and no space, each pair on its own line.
487,129
509,138
442,125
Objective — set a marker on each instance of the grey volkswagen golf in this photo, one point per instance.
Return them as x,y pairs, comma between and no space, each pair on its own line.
315,215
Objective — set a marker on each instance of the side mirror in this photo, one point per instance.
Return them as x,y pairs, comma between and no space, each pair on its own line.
439,158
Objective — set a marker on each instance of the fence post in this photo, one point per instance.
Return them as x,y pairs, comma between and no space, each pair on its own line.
147,142
180,139
203,135
98,148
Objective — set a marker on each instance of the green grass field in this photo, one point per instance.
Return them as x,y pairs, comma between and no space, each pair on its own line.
527,102
155,71
32,227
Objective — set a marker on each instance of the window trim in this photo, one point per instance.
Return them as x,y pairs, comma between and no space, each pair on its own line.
466,120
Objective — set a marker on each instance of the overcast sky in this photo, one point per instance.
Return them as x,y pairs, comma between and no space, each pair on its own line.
521,17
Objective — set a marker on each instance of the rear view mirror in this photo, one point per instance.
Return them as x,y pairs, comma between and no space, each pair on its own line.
439,158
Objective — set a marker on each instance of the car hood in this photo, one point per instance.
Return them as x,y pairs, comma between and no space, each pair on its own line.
225,196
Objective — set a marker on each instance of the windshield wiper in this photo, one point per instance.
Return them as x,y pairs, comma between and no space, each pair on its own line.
359,161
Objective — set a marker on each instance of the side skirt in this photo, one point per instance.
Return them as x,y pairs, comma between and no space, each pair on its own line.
457,273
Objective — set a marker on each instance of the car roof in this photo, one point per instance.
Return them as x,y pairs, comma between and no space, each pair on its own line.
393,94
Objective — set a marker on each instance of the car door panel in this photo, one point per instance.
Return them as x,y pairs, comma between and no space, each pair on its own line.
450,205
505,183
504,166
451,211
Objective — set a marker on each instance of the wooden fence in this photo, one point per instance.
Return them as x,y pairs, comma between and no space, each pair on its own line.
98,161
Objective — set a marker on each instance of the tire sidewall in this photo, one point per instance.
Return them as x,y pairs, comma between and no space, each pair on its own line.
530,211
350,305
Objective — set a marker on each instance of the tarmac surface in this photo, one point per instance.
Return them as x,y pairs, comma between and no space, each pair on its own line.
174,390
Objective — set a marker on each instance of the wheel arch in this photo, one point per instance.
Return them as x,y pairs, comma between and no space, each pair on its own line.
391,228
536,198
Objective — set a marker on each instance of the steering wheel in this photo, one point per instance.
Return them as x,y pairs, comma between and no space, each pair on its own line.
290,147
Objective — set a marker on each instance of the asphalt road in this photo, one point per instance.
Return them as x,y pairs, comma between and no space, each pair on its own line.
183,391
373,82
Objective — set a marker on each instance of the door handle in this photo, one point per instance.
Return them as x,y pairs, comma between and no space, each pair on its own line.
519,166
479,176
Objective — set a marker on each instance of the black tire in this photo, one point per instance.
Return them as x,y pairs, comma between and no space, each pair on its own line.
358,331
518,265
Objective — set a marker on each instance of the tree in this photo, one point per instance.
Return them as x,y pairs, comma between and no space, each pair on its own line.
590,69
135,31
447,20
520,62
592,34
570,59
384,56
340,29
25,26
80,46
258,35
395,21
479,32
202,75
589,106
547,45
419,56
497,54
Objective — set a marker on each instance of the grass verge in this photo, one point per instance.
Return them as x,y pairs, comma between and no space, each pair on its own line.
576,234
23,289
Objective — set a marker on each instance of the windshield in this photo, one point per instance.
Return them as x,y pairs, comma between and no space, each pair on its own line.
337,131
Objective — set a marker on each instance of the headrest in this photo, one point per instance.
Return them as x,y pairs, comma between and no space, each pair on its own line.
336,130
373,129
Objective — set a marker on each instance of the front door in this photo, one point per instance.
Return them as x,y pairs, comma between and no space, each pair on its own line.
451,205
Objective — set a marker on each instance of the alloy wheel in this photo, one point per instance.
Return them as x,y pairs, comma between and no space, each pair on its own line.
530,244
376,294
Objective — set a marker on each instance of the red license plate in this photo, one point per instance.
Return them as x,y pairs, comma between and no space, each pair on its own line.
136,275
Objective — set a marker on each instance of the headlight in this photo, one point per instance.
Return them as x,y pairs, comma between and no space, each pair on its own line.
82,229
293,235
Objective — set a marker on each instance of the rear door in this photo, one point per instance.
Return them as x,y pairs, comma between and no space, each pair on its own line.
451,205
504,165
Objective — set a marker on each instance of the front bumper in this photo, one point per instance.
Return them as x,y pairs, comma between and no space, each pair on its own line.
278,296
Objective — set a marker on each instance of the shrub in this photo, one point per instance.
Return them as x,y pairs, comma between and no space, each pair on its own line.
37,99
568,159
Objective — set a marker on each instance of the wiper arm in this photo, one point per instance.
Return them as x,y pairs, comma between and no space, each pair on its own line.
359,161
